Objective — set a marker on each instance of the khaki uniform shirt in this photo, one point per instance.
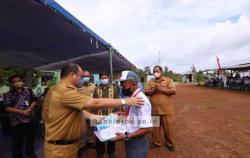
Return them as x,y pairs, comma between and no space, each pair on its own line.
106,92
88,89
64,105
162,104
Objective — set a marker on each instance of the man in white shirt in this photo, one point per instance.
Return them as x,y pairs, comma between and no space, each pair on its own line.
138,119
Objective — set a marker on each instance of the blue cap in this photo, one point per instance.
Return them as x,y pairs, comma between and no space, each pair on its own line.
129,75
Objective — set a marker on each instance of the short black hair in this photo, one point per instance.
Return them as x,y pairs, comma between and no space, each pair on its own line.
15,76
158,66
68,68
103,74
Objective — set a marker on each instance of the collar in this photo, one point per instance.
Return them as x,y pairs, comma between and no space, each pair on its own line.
136,92
86,84
159,80
14,90
104,86
67,83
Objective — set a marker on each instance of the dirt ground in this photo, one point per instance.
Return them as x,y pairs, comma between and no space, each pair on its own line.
211,123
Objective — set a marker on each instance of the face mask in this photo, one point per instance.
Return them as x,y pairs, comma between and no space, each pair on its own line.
126,92
157,75
85,79
79,84
18,84
104,81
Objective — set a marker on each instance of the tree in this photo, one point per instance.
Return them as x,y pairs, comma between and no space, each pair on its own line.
200,77
7,72
1,77
193,69
53,81
142,74
169,73
147,70
165,69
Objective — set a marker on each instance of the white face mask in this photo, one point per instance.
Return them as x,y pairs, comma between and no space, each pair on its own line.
104,81
157,75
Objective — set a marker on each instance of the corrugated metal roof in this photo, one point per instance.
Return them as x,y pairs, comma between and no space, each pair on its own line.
242,64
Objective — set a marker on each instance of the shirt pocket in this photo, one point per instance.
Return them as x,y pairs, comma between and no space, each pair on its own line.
165,84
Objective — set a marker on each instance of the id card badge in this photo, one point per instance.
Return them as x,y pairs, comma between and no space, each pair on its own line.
26,103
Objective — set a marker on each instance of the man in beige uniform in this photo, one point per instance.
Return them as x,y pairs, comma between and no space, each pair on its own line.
88,89
63,117
160,91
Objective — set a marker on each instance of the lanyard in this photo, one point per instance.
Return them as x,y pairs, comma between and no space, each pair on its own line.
134,95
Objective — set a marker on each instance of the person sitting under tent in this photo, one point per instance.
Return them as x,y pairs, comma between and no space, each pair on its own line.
247,83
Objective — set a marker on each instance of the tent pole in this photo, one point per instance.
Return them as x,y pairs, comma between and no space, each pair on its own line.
29,78
111,64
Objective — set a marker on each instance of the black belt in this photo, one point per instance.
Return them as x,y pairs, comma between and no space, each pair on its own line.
63,142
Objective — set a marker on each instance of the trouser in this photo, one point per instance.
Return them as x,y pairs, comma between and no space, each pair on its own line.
23,133
100,147
137,147
167,122
5,124
61,151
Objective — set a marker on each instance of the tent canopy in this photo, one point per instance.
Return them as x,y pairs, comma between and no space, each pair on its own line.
41,34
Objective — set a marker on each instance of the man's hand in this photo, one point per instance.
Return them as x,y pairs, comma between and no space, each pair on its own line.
164,90
119,136
149,91
152,90
27,113
157,87
134,101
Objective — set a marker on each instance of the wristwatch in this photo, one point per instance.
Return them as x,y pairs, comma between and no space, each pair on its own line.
126,136
123,101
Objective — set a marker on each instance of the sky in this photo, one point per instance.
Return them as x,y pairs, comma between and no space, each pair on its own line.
178,32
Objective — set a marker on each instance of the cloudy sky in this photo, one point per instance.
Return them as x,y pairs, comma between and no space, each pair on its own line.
185,32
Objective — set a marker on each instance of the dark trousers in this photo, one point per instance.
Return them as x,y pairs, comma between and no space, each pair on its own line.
23,136
137,147
5,124
100,147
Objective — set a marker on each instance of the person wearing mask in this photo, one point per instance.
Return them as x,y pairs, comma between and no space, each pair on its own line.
160,89
105,90
87,88
138,119
63,116
19,102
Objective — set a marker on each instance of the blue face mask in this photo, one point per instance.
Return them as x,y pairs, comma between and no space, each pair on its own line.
85,79
104,81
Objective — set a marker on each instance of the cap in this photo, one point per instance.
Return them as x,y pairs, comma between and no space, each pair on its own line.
129,75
